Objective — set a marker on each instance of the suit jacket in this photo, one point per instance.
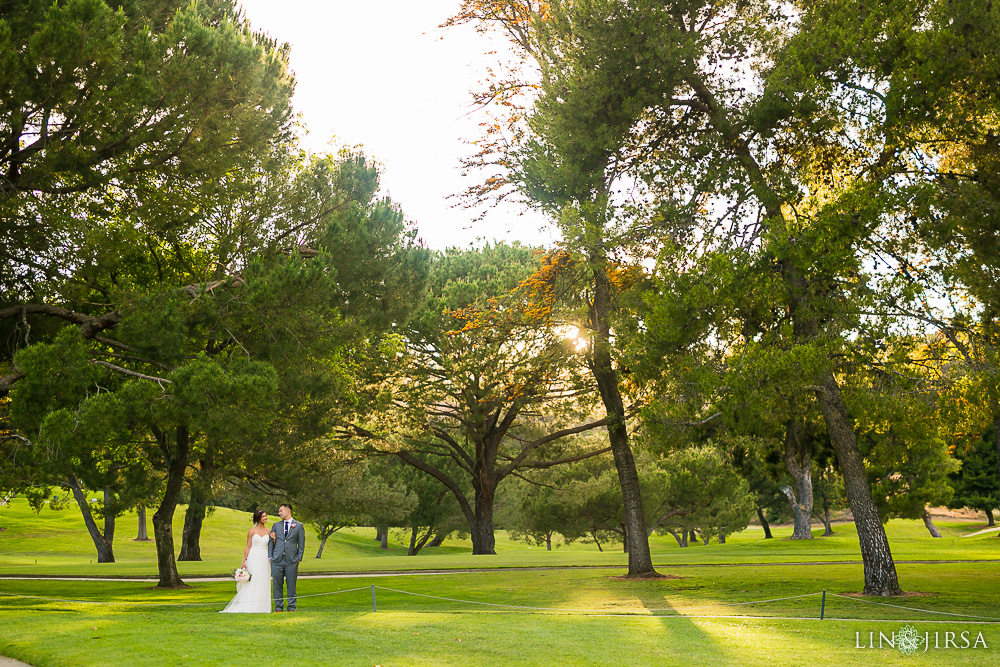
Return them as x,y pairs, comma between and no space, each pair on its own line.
287,549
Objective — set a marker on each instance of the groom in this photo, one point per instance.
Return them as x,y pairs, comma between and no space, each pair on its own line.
285,549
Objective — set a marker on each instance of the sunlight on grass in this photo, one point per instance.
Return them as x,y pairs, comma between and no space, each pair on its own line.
739,640
445,623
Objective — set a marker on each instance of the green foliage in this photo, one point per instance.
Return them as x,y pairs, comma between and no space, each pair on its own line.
336,496
434,506
579,502
908,462
486,386
175,92
702,491
61,373
975,482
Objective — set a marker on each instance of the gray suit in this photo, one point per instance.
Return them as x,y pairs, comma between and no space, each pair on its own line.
285,553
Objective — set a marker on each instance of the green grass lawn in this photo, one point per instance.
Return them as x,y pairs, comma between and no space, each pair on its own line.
587,617
57,543
564,616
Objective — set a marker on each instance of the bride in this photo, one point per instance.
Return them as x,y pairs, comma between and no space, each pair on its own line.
254,596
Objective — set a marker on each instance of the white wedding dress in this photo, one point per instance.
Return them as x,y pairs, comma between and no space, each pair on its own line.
254,596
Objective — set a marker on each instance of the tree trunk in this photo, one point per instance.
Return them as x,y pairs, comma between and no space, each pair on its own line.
880,570
415,544
323,537
548,541
692,538
926,516
706,538
798,462
640,561
194,518
104,543
483,537
439,538
164,517
682,538
485,484
764,524
596,541
989,517
722,538
143,536
325,531
383,537
625,538
827,525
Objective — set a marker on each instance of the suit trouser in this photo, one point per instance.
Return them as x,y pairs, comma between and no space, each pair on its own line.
280,572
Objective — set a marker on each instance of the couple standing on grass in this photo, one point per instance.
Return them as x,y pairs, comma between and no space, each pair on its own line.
276,552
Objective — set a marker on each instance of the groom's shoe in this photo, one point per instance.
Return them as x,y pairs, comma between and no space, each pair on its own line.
278,610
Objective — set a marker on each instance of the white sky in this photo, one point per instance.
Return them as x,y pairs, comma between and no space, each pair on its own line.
381,74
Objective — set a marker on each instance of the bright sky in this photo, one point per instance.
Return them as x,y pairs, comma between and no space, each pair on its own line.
381,74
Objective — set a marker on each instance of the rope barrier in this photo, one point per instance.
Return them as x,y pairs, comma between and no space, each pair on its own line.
659,612
319,595
737,604
926,611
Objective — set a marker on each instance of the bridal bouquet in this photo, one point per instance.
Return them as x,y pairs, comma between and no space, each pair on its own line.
241,575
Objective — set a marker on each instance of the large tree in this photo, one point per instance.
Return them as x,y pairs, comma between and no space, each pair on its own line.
791,149
487,387
566,159
153,199
208,372
957,220
103,97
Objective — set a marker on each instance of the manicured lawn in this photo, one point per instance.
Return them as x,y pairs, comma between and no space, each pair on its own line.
576,616
575,626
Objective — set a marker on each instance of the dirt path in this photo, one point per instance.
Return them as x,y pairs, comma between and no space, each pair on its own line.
11,662
414,573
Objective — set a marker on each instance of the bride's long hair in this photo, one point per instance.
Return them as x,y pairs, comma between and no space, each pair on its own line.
257,515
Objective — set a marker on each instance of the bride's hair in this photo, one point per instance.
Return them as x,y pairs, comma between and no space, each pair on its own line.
257,515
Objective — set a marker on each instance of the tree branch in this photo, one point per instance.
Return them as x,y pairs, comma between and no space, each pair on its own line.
126,357
518,460
7,381
568,459
446,437
444,479
119,369
90,326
